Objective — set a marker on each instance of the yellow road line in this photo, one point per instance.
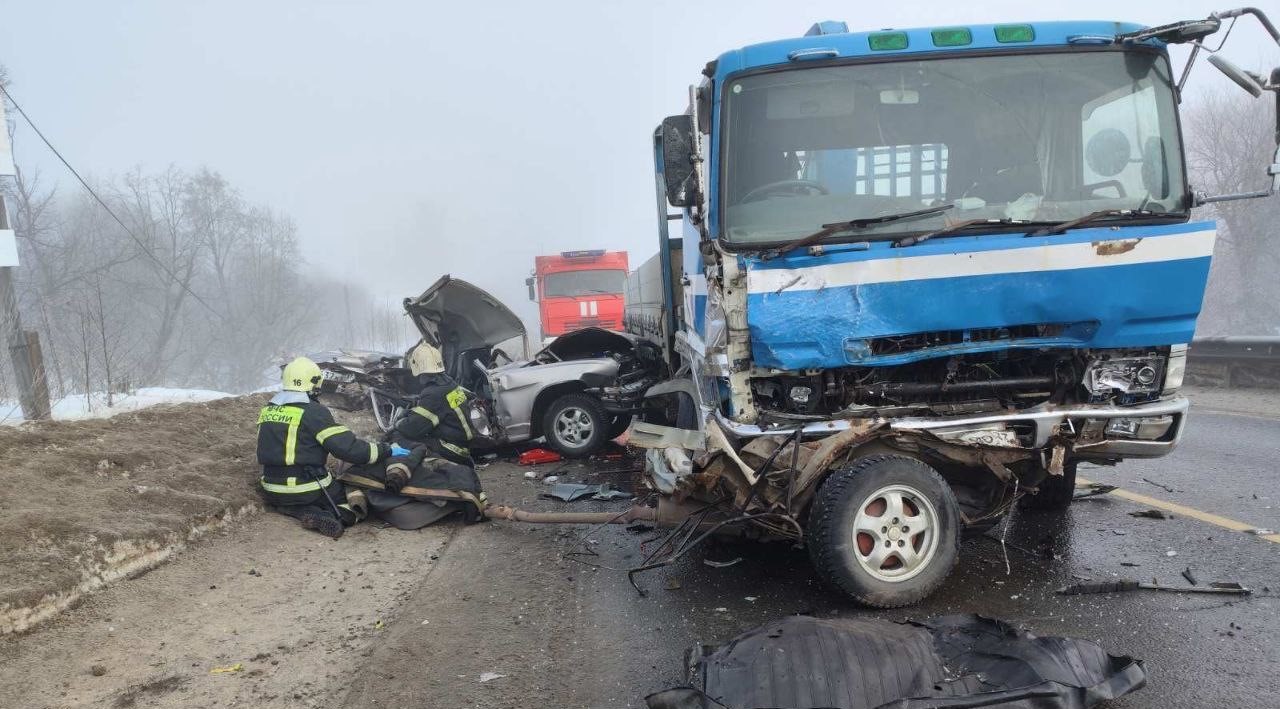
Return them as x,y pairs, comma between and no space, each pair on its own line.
1185,511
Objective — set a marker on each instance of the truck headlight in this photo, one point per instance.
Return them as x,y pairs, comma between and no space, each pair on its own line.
1124,375
1176,369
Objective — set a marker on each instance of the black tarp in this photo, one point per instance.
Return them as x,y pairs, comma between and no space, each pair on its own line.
857,663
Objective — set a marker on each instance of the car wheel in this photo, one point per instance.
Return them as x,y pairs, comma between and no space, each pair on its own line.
575,425
1054,492
619,425
884,530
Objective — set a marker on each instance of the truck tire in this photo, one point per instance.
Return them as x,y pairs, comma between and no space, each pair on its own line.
884,530
1055,492
575,425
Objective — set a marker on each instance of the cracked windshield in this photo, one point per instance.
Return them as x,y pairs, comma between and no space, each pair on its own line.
1027,138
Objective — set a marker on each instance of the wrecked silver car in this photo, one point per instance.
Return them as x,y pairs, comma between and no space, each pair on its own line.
578,392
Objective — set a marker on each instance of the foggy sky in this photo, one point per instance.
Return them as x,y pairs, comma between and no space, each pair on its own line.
410,139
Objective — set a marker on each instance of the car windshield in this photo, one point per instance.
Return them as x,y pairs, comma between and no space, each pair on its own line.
1027,137
569,284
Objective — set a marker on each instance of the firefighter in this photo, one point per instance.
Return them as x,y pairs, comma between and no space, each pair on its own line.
440,417
296,435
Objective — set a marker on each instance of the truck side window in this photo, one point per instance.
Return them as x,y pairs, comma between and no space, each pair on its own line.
1114,131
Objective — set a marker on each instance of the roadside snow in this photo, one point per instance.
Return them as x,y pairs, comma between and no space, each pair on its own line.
78,406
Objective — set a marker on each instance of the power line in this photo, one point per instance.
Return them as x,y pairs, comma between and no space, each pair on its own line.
104,205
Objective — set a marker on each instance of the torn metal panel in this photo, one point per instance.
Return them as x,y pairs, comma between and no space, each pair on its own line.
649,435
862,663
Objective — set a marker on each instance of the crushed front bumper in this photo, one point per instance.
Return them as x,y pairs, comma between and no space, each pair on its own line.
1043,424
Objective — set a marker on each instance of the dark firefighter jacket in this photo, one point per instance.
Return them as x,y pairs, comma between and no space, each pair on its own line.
438,419
297,435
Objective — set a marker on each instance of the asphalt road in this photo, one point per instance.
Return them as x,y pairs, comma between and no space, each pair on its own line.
510,600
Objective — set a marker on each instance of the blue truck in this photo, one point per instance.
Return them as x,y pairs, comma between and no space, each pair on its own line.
916,277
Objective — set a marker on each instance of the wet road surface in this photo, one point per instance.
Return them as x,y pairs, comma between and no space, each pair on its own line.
505,598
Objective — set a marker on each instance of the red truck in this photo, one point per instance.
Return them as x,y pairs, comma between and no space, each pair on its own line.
577,289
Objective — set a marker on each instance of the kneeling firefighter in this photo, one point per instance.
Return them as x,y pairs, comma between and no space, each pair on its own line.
440,418
296,435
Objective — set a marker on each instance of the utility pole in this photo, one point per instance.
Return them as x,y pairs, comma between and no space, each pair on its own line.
24,345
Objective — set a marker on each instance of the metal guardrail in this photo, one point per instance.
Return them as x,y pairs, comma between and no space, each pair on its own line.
1238,361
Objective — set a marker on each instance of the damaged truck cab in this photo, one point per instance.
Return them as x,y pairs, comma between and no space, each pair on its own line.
920,276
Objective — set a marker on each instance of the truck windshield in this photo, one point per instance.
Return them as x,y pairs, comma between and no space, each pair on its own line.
1031,137
570,284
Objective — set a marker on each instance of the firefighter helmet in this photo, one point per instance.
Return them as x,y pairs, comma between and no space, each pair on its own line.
301,375
425,359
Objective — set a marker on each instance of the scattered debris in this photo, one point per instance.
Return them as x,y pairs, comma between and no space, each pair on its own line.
721,564
238,667
1129,563
98,670
985,658
551,480
673,584
1260,532
490,676
377,625
530,475
254,572
1151,514
1119,532
1126,585
1190,577
749,599
1092,490
640,528
722,609
570,492
1171,553
537,456
1162,486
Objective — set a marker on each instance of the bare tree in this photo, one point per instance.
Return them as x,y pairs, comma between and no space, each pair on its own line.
1230,138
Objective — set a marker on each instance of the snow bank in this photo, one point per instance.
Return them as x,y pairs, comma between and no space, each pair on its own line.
79,406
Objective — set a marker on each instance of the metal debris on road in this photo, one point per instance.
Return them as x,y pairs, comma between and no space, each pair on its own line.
1126,585
1092,490
721,564
1151,514
1190,577
570,492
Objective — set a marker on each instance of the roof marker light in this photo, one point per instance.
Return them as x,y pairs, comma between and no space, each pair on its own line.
953,37
887,41
1006,34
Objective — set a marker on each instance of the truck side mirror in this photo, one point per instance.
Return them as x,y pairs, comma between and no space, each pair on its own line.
1236,74
533,294
679,161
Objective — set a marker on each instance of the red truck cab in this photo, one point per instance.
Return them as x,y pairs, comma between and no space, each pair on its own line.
577,289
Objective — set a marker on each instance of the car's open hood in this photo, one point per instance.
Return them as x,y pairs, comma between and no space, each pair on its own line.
457,316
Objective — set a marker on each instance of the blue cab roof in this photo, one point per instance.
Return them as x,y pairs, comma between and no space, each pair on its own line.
827,40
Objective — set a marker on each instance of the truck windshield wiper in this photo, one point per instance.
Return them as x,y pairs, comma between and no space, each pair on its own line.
837,227
1092,217
962,227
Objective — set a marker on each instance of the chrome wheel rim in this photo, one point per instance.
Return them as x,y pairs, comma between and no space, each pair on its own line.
895,533
574,427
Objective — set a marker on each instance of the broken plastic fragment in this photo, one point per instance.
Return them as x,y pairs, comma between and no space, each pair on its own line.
490,676
229,668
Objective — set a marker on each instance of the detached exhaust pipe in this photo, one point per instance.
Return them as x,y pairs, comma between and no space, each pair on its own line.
634,514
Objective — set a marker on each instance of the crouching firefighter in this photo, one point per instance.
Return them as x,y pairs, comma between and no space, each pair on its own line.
441,415
296,435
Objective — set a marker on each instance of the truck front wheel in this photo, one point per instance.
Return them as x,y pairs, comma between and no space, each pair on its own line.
884,530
